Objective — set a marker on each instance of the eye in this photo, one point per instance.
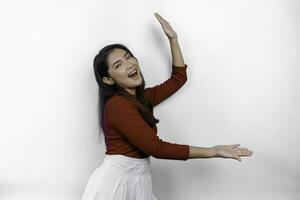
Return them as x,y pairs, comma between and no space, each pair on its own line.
129,56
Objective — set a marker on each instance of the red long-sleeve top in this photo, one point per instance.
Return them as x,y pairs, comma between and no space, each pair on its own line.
127,133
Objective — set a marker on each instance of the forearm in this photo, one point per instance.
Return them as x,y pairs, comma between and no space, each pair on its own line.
202,152
177,58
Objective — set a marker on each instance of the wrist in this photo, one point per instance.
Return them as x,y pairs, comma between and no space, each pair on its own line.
173,39
214,152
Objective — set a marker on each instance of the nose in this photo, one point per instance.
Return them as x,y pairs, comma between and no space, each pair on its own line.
130,65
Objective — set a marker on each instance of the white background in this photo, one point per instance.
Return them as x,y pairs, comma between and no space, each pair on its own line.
243,87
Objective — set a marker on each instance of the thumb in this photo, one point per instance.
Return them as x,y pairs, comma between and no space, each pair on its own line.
235,145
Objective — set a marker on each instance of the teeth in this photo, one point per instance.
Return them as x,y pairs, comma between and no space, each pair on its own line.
132,73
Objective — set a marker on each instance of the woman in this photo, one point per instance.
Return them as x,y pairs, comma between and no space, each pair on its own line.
130,128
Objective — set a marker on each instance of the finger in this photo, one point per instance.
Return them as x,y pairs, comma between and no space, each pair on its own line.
238,158
242,148
156,14
160,18
245,153
235,156
235,145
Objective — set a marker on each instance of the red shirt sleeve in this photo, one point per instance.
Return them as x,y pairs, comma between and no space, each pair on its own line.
125,118
160,92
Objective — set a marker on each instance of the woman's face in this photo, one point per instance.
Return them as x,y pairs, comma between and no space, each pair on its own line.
120,65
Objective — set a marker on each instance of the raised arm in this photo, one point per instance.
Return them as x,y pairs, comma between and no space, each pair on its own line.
162,91
177,58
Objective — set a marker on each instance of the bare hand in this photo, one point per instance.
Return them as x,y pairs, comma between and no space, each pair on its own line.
230,151
171,34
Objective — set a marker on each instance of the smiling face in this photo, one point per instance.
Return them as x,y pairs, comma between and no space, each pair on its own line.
120,66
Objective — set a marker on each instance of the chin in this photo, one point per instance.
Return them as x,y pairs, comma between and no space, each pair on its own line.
140,82
137,82
137,85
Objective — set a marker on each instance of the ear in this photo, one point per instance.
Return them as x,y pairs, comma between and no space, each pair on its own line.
108,80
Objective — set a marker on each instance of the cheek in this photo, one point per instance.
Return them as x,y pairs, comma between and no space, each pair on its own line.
121,76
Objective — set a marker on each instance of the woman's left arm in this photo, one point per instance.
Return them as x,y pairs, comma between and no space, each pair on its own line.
177,58
160,92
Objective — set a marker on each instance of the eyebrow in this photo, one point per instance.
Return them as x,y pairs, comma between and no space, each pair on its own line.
120,60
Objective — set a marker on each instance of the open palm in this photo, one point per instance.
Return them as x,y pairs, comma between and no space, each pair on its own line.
171,34
230,151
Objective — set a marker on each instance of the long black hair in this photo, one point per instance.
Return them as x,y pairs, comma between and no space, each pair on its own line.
105,91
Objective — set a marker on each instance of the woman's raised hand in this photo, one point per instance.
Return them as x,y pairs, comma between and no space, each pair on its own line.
230,151
171,34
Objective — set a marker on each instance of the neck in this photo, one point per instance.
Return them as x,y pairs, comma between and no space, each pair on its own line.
131,91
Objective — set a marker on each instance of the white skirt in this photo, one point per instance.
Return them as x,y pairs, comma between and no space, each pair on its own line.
120,177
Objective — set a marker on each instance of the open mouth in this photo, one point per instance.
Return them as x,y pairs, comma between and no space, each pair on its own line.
133,75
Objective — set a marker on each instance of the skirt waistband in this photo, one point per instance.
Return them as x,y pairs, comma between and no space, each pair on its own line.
126,161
